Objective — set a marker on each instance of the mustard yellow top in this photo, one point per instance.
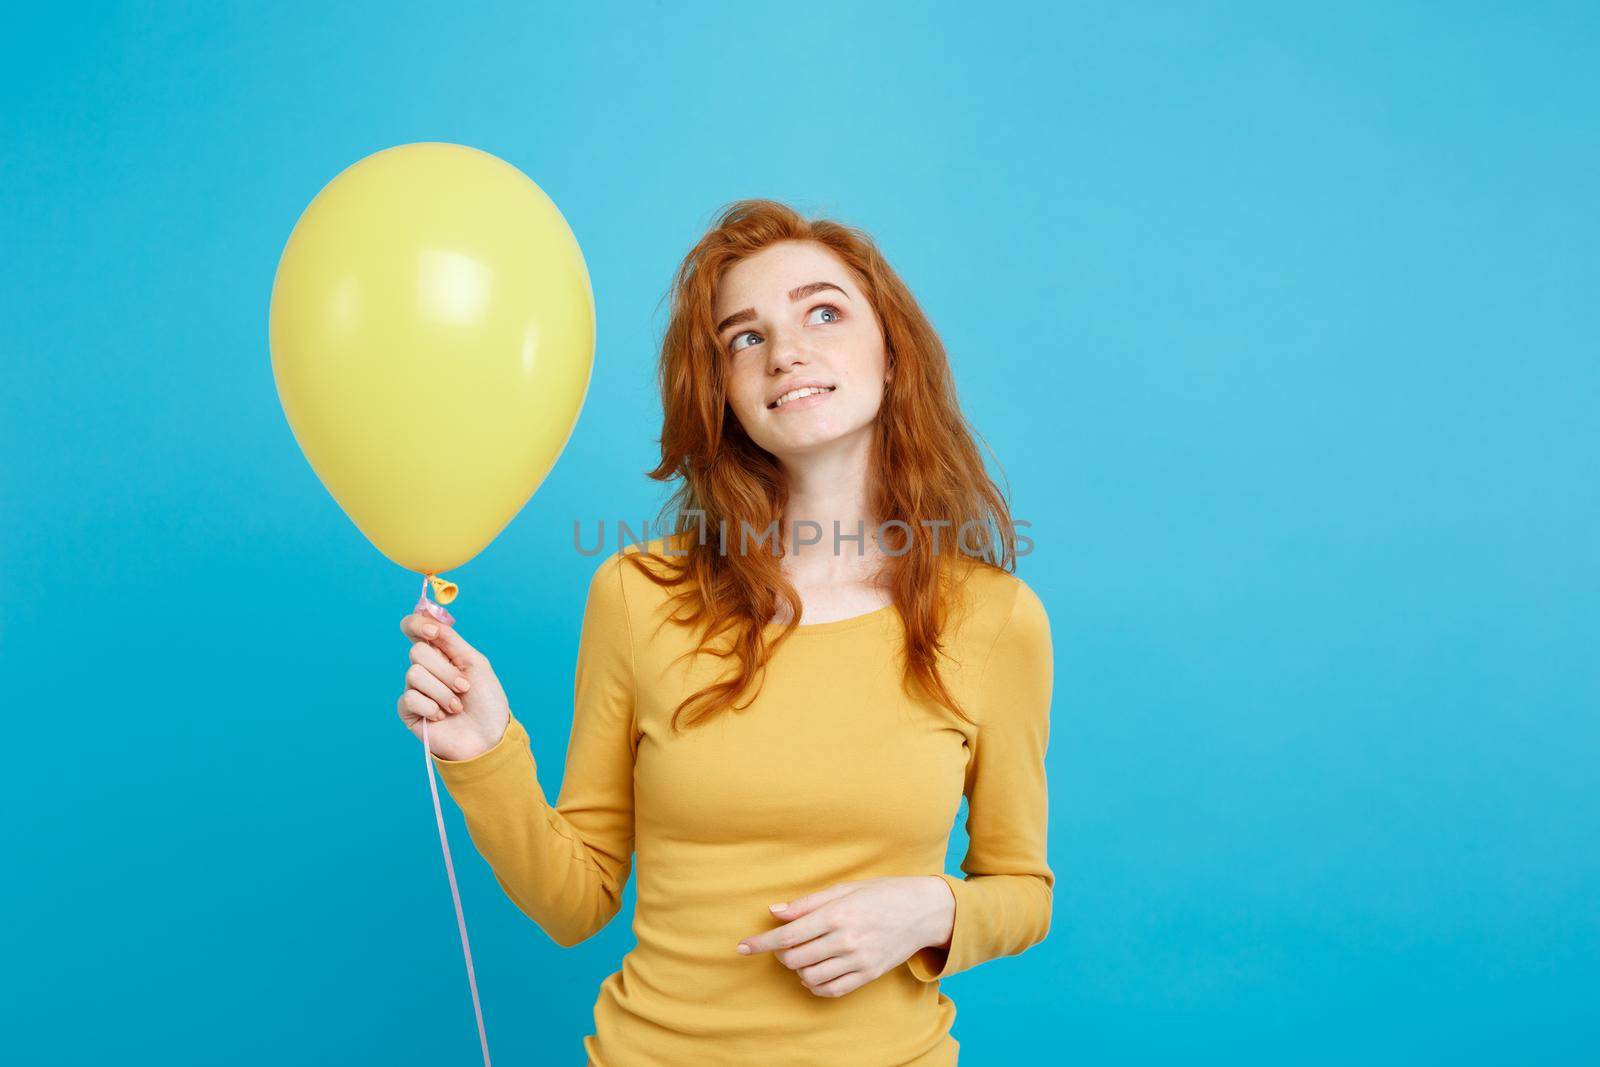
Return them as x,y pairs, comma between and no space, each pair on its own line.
834,773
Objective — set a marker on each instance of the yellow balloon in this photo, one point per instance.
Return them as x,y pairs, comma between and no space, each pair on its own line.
432,337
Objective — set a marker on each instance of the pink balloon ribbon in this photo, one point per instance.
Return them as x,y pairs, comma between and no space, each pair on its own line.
438,612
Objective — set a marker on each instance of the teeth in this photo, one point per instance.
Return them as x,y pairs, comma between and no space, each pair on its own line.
795,394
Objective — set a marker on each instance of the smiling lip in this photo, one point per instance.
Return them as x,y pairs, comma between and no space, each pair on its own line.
804,401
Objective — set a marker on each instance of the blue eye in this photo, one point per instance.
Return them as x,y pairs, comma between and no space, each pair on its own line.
825,307
835,313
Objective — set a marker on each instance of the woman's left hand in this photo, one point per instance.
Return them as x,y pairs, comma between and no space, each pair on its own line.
842,937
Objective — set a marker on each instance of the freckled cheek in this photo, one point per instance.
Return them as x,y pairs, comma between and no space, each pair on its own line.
858,356
745,396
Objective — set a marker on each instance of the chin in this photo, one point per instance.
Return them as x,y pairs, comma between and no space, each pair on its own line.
809,444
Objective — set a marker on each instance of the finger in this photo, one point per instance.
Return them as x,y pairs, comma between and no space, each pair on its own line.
811,901
788,935
448,673
808,953
449,642
427,683
417,706
413,626
839,986
818,974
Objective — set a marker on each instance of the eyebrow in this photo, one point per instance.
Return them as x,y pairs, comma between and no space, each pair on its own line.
797,293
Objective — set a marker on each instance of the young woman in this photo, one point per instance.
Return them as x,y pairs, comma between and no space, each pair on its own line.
780,705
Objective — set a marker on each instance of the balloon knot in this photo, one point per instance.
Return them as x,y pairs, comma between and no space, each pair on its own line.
445,591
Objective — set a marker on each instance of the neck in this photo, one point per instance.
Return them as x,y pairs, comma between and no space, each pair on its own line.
828,487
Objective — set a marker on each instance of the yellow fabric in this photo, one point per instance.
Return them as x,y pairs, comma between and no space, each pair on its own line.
835,773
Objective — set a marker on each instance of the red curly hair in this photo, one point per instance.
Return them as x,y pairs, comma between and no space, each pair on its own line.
920,435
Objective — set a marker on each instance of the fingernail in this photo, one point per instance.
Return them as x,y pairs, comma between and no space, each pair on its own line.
463,685
777,907
744,950
430,631
455,705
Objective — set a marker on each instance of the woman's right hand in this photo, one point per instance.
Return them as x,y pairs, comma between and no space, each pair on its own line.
451,684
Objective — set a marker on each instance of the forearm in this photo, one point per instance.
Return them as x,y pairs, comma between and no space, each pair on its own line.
568,886
994,915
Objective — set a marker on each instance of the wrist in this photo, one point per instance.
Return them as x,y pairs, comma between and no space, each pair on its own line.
942,913
475,746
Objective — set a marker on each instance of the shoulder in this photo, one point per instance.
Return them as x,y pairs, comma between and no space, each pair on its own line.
1000,601
1016,659
1027,618
606,584
619,579
1009,619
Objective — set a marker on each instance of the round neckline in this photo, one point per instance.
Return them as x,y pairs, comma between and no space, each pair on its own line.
836,624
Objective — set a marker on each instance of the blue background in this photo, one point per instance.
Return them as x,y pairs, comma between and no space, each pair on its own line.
1280,322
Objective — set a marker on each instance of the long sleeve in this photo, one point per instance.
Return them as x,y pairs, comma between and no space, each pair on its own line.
1003,904
565,866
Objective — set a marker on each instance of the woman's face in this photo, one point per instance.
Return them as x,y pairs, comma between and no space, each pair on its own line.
788,317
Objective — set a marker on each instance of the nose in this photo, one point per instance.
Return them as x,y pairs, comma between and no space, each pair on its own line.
785,351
